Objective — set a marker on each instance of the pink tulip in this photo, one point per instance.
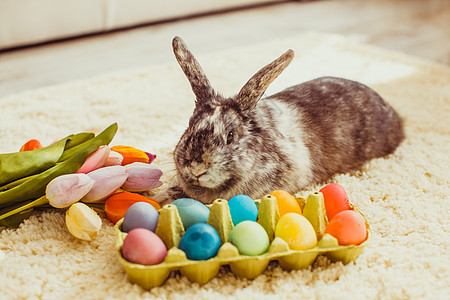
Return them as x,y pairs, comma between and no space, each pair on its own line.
142,177
67,189
114,159
151,157
107,181
95,160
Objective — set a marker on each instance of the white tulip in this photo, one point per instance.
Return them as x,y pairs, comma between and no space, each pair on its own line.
67,189
142,177
107,181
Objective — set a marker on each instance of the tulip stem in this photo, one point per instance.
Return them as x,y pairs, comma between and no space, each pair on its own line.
40,201
97,206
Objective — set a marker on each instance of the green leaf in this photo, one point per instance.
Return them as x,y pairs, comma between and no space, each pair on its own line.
15,220
105,137
17,165
97,206
78,138
35,187
15,183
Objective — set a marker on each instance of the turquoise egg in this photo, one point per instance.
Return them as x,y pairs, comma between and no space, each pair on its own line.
191,211
250,238
242,208
200,242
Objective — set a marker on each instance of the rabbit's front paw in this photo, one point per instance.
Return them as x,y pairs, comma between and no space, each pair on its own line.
169,195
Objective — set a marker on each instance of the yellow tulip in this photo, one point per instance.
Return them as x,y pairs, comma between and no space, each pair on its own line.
83,222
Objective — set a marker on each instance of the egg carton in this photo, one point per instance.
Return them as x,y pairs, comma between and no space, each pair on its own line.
170,229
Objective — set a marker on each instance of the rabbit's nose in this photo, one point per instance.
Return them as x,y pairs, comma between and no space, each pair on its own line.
199,175
198,170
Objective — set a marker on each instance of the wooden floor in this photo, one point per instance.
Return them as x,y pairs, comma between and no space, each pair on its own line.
416,27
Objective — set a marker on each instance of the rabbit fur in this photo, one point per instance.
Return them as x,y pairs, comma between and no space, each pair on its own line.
302,135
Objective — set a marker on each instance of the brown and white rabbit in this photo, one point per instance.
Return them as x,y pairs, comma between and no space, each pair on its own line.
302,135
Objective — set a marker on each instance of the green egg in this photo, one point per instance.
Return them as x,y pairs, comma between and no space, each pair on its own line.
250,238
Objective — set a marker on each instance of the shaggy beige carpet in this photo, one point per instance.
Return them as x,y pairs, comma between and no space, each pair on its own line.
404,196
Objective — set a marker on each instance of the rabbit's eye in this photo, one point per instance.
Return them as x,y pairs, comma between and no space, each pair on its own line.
230,137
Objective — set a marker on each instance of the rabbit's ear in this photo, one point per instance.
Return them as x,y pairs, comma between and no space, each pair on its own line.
196,76
253,90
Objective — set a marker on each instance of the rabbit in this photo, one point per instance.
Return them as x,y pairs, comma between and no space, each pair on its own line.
302,135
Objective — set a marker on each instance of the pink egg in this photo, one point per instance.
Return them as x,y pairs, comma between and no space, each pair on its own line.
142,246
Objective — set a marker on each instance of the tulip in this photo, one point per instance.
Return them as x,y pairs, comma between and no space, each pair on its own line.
67,189
114,159
34,187
131,154
24,176
95,160
107,181
151,157
31,145
83,222
142,177
117,205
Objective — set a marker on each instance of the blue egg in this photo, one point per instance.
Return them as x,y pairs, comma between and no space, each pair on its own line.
191,211
242,208
200,242
140,215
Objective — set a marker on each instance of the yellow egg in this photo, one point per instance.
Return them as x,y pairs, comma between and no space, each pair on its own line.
286,203
296,230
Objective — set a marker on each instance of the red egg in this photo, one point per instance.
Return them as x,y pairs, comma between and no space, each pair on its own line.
142,246
348,227
336,199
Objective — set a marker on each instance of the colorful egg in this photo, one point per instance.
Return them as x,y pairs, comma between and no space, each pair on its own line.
140,215
336,199
116,206
242,208
250,238
200,242
296,230
191,211
348,227
286,203
142,246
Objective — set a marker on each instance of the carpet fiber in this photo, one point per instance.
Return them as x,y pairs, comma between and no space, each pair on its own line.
404,196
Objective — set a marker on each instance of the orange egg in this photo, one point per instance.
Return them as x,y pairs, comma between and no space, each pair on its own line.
286,203
336,199
348,227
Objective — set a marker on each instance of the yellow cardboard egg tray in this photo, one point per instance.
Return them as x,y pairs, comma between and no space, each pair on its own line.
170,229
